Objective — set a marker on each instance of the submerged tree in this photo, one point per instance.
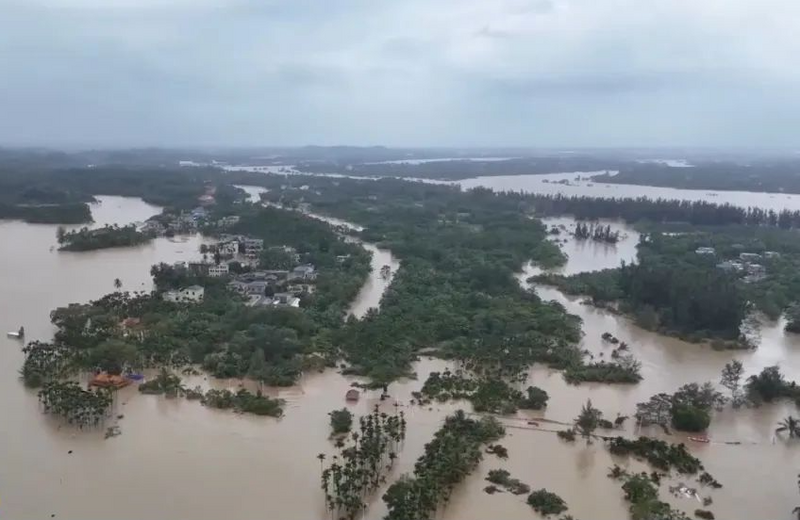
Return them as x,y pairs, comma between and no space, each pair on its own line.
588,420
790,425
341,421
452,454
361,466
732,380
77,406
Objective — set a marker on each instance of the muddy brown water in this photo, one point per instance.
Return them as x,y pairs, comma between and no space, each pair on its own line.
178,459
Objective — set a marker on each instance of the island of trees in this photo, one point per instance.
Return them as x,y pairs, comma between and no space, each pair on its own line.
86,239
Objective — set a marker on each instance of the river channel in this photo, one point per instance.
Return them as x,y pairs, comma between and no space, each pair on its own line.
177,459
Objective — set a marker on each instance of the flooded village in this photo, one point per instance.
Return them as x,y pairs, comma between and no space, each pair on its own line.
192,451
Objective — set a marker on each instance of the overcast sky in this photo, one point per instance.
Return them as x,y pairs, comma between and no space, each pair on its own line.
400,72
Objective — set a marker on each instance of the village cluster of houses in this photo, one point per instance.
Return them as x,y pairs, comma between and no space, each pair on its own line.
230,246
185,222
748,264
260,287
275,287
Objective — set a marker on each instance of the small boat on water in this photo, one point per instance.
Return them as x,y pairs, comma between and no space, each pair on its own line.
698,439
18,334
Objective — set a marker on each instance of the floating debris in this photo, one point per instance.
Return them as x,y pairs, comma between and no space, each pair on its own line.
112,431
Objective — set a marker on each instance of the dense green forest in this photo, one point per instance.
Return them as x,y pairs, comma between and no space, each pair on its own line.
677,294
69,213
675,290
456,294
86,239
60,196
456,290
776,175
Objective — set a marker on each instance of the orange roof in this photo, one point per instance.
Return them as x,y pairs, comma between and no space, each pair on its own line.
106,380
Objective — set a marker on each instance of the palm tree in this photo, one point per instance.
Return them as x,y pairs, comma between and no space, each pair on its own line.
117,283
321,458
791,425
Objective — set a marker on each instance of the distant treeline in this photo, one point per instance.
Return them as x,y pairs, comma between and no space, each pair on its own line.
777,175
59,196
464,169
637,209
73,213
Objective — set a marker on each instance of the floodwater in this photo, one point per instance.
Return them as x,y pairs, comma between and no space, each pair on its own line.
369,297
581,184
37,476
178,459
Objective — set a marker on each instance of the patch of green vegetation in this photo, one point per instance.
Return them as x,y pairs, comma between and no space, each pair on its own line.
536,399
486,394
86,239
688,409
503,478
643,496
341,421
75,405
243,401
626,370
72,213
659,454
546,503
770,385
164,383
567,435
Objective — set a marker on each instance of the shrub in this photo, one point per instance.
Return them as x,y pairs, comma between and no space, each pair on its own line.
690,418
535,400
546,503
658,453
567,435
341,421
503,478
498,450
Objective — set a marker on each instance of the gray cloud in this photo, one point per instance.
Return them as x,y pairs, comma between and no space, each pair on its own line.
417,72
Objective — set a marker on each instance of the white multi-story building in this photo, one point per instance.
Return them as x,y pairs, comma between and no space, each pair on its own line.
253,246
191,294
229,248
